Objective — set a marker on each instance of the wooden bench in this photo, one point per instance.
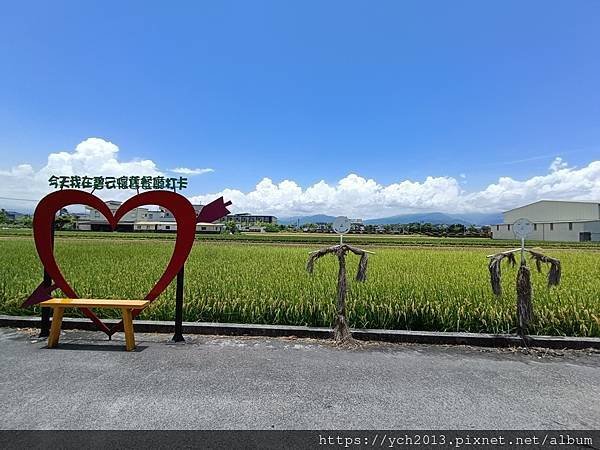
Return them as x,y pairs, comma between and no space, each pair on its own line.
126,306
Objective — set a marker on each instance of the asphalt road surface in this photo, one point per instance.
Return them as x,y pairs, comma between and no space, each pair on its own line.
274,383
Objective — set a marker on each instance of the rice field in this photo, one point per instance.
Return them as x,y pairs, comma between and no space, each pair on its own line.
391,240
430,288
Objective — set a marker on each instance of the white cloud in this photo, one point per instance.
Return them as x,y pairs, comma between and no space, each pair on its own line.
352,195
191,172
92,157
558,164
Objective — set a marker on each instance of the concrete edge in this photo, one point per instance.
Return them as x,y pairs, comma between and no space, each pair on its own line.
397,336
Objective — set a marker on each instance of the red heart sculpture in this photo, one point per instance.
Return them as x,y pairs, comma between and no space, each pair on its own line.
44,215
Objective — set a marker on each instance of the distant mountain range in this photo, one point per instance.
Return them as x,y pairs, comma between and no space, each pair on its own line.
317,218
435,218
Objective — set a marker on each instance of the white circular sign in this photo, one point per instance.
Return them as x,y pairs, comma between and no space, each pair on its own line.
522,227
341,225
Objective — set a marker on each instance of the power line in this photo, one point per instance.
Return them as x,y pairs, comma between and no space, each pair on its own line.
19,199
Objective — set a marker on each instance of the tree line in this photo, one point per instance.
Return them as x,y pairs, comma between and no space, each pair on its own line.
64,221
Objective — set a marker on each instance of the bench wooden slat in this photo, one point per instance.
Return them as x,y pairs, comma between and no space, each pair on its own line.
93,303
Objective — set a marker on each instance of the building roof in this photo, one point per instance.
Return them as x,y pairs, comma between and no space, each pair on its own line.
250,215
154,223
541,222
175,223
553,201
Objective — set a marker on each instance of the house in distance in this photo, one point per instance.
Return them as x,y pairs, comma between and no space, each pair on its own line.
140,219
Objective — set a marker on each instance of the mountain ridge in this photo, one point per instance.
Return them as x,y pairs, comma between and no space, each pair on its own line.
435,218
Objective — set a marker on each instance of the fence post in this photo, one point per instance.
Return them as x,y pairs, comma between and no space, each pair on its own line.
178,336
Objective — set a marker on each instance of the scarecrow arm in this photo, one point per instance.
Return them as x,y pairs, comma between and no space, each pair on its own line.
361,274
554,273
317,254
506,253
357,251
495,272
555,269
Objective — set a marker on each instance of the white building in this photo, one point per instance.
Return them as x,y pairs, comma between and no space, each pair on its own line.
201,227
554,221
357,226
140,219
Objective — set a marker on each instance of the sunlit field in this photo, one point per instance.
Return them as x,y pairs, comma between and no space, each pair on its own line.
430,288
309,239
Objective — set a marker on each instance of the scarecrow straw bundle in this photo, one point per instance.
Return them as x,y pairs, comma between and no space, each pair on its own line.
341,331
524,295
523,286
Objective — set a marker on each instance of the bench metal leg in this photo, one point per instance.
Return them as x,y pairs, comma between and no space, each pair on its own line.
128,328
45,325
57,317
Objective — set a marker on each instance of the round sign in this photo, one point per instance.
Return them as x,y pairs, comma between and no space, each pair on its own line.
341,225
522,227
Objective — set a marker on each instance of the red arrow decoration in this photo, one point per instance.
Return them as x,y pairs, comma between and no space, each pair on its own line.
41,294
213,211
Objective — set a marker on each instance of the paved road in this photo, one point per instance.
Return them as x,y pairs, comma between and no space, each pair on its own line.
258,383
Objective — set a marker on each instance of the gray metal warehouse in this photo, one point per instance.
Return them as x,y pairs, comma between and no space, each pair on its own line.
554,221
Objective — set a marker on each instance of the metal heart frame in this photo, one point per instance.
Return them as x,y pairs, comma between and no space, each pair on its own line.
43,218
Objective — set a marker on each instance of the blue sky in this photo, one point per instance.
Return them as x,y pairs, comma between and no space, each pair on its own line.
309,91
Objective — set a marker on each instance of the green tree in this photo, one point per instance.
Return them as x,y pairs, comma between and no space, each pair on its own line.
230,227
414,227
472,229
456,228
64,222
25,221
3,216
271,228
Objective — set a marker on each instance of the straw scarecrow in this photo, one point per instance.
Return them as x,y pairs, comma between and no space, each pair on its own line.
523,286
341,331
